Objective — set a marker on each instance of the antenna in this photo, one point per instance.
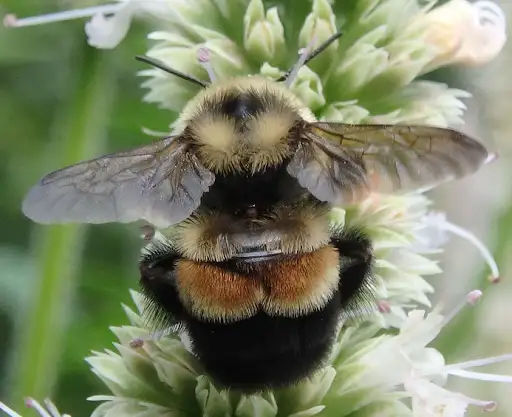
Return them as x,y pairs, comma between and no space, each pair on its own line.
160,65
306,57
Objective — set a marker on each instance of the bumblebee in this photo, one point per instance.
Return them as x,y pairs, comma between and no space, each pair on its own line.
250,266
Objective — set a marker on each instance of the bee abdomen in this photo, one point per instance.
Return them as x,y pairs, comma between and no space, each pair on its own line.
293,286
265,352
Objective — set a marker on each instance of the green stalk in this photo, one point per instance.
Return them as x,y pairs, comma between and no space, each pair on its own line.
80,133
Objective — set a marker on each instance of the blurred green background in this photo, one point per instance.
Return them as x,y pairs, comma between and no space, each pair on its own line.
61,287
62,101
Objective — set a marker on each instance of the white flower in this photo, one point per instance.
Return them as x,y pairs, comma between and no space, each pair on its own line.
110,23
107,32
392,223
430,400
464,32
420,370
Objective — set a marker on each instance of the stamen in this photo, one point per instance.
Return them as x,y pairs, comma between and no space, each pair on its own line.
482,376
136,343
479,362
9,411
204,58
490,406
471,298
384,307
439,221
11,20
31,403
50,406
485,405
493,280
304,53
156,335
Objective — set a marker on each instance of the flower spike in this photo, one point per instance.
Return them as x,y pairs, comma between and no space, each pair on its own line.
470,299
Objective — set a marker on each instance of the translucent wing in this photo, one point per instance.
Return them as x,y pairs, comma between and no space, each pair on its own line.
161,183
342,163
335,178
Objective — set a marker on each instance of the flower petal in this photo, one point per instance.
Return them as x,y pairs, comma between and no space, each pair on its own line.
107,32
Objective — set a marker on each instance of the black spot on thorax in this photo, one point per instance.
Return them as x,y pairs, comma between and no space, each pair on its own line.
241,107
237,191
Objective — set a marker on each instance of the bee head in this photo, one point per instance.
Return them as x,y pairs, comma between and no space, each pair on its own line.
243,124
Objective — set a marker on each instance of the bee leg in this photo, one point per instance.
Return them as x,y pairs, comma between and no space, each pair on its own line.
162,304
356,261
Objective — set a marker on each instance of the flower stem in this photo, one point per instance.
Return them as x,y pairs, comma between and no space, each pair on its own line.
80,133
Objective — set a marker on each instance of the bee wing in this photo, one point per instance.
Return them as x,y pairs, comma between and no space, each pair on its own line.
161,183
342,163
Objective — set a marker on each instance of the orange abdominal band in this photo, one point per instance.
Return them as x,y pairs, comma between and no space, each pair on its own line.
210,292
291,287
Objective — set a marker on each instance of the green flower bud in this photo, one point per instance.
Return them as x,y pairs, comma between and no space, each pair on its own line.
345,112
263,34
320,25
308,87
